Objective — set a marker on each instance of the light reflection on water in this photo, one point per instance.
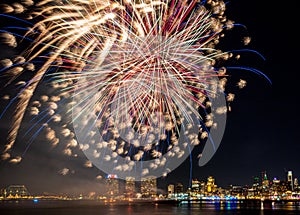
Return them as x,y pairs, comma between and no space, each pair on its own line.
197,208
245,207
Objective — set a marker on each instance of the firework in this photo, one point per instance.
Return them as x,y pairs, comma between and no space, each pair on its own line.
137,79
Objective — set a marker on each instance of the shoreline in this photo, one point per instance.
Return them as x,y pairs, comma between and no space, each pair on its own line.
142,201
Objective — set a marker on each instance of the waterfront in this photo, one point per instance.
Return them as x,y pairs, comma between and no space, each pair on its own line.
26,207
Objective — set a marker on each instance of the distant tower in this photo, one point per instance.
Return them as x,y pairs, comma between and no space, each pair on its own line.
265,181
149,186
196,186
130,186
275,187
256,181
171,190
112,183
179,188
210,185
296,184
290,179
263,175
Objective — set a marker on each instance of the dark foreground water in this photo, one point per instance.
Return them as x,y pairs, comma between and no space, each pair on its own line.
97,208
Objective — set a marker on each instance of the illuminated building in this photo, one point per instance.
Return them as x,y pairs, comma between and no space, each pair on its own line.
296,184
265,181
276,182
284,186
148,186
171,190
16,191
196,186
179,188
275,188
263,173
256,182
112,183
130,186
236,190
290,179
210,185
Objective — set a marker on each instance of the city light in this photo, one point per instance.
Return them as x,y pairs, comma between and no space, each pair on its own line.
262,189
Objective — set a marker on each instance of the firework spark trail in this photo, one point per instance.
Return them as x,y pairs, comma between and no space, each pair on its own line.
152,79
142,68
65,41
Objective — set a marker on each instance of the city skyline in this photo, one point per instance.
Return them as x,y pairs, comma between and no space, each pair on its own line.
261,131
148,188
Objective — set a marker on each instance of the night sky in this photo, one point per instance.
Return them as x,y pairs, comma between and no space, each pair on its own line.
262,128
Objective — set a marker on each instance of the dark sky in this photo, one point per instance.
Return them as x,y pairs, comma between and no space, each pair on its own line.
262,129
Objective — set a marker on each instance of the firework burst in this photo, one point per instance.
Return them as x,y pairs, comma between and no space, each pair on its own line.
138,79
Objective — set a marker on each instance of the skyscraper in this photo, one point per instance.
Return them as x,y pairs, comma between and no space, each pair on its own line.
265,181
210,185
130,186
112,183
149,186
179,188
290,179
296,184
196,186
171,190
